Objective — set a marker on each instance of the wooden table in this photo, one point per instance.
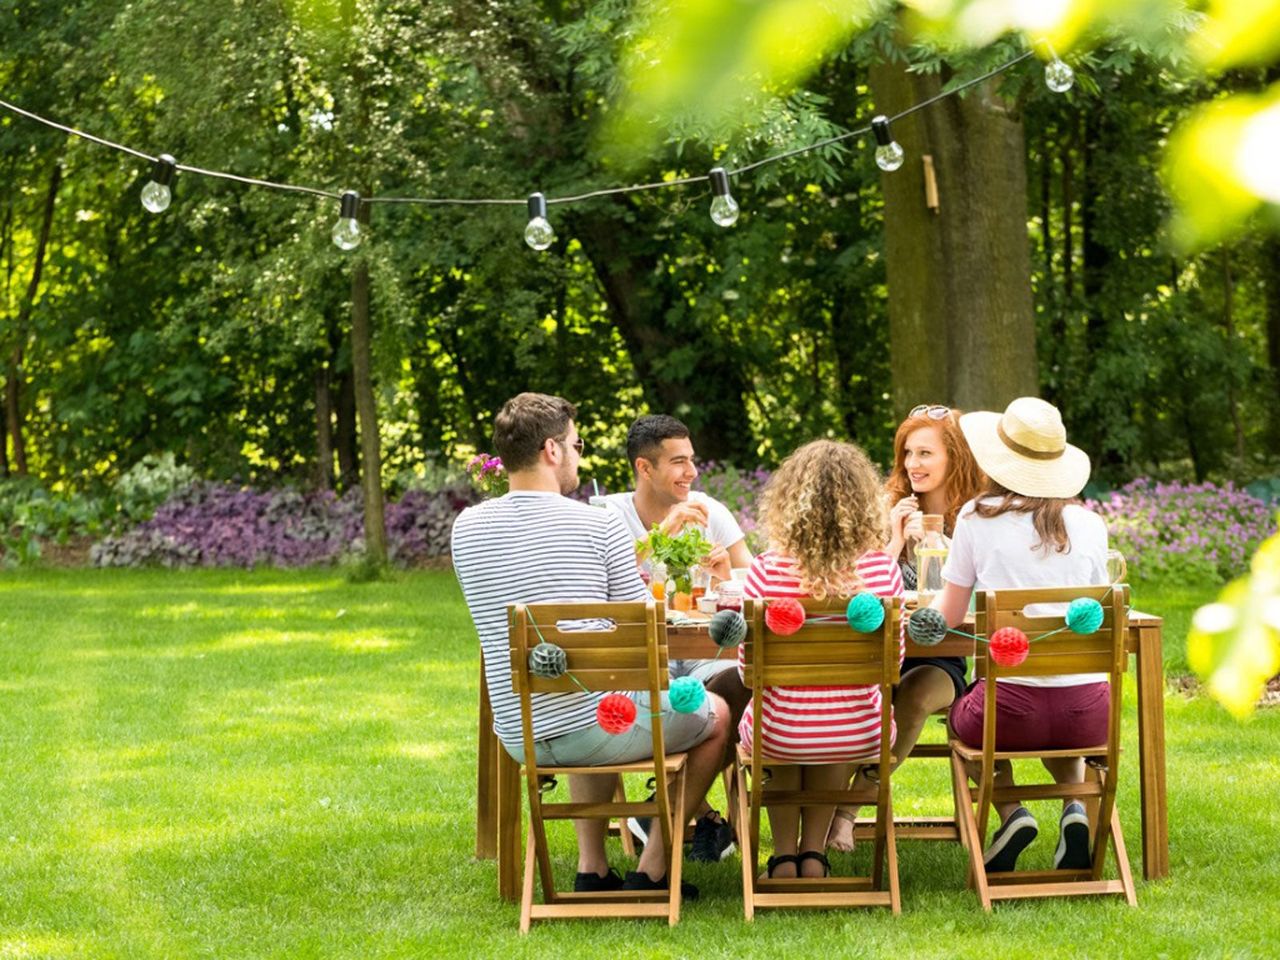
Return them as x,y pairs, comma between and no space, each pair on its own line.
498,776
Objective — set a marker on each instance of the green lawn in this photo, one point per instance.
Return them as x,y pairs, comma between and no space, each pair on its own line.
281,764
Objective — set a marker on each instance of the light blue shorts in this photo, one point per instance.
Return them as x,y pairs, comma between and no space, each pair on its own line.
592,747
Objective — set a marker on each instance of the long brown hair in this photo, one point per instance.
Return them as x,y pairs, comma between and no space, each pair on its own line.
823,507
1046,514
964,477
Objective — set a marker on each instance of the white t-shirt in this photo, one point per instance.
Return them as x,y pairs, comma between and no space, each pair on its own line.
533,547
1000,553
721,529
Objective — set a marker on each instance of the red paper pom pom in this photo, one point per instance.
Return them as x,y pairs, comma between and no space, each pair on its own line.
616,714
784,617
1009,646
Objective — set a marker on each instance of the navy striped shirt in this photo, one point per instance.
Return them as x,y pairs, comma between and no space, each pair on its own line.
536,547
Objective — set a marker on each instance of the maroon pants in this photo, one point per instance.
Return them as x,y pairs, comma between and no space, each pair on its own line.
1036,718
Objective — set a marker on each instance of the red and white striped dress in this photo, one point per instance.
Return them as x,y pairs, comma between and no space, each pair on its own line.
820,724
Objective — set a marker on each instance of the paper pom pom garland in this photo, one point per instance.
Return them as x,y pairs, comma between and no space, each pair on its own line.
728,628
616,714
1084,616
686,694
927,627
1009,646
865,612
548,661
784,617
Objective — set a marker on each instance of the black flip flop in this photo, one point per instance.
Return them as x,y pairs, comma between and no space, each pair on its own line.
814,855
780,860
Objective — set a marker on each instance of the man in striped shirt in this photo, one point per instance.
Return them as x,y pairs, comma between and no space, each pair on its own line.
534,545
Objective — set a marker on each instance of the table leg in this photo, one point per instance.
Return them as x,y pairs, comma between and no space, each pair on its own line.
508,809
487,750
1155,812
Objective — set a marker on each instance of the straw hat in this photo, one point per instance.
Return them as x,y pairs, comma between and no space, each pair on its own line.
1025,449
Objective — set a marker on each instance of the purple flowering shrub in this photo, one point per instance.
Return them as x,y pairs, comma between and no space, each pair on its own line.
219,525
739,490
488,474
1185,533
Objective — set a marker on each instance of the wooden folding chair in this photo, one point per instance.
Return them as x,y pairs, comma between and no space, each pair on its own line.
818,654
1063,653
630,654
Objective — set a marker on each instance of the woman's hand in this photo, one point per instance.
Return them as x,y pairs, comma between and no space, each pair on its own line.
899,514
717,561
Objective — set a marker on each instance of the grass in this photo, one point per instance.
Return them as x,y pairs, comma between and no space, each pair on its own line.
281,764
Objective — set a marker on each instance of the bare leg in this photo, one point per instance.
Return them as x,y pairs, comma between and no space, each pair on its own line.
702,767
592,788
1065,770
815,821
923,692
784,822
1003,777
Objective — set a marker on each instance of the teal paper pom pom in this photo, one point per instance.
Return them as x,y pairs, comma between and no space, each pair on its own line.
728,628
865,612
686,694
927,627
548,661
1084,616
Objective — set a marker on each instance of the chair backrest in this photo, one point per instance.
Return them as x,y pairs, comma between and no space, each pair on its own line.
821,653
608,646
1062,654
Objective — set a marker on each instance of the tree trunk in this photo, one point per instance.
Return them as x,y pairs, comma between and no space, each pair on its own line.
1229,323
13,396
348,458
324,429
710,398
375,527
961,317
1271,270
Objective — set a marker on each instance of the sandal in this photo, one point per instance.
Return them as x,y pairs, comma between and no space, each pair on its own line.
781,860
814,855
841,846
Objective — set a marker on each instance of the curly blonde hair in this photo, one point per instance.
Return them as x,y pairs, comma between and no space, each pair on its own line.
824,507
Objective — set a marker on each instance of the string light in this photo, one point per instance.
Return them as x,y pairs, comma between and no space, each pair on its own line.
1058,77
538,234
724,209
346,232
156,195
889,154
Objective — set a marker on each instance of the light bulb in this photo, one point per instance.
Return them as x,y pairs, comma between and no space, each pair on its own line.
156,195
346,232
538,234
889,154
1058,77
724,209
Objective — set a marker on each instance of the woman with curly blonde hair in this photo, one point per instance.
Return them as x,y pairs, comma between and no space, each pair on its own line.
824,514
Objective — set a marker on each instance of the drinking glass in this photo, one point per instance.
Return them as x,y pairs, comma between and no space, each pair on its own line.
1116,567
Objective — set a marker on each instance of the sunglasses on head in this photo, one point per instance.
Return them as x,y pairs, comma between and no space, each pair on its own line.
932,411
578,444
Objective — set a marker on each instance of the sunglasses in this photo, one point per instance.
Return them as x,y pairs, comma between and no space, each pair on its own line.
578,444
932,411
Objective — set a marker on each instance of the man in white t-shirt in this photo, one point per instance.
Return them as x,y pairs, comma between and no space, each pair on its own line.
661,454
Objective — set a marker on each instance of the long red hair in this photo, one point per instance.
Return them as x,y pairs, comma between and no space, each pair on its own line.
964,479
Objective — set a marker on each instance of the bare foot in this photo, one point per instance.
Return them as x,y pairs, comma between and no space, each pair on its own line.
840,836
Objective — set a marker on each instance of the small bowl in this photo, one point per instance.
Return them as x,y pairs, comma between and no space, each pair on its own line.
707,603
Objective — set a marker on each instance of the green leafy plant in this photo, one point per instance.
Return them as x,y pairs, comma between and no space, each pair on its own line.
679,553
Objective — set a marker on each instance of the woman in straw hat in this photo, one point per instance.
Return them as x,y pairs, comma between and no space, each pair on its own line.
1028,529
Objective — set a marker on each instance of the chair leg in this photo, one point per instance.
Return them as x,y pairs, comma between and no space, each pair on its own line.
891,849
1122,859
978,871
675,851
526,897
746,846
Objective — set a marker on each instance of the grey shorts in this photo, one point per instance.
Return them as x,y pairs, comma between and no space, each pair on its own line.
593,747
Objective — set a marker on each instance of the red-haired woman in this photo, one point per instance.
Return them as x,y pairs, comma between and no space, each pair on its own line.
933,472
